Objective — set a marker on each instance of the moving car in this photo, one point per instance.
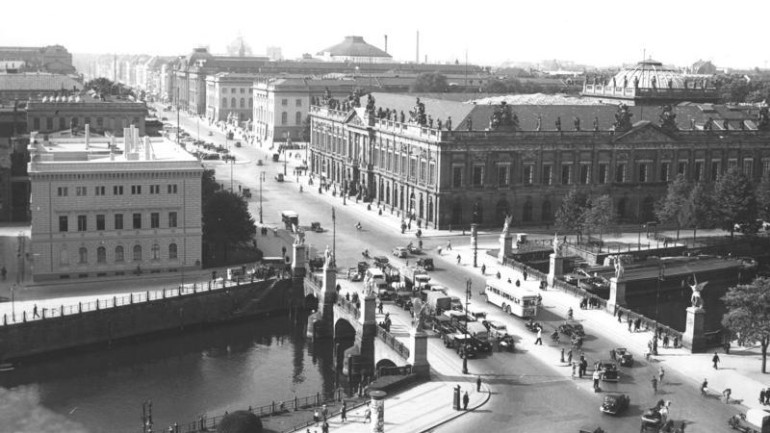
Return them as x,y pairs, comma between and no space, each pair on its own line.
354,275
279,177
400,252
380,261
496,329
609,371
613,404
316,227
624,357
572,329
426,263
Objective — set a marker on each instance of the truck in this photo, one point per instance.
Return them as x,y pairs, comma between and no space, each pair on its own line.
290,219
479,336
438,302
754,421
414,277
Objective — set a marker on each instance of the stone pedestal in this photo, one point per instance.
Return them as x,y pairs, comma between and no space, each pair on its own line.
617,294
321,323
418,352
299,258
369,310
506,241
556,269
694,338
377,408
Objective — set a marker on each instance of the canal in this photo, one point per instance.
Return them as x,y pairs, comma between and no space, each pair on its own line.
202,372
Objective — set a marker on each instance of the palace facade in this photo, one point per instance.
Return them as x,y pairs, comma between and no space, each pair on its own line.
446,164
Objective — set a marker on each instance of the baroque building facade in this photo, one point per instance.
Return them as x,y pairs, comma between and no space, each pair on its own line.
417,166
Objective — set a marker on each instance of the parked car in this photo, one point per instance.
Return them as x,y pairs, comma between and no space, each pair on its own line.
279,177
609,371
496,329
614,404
237,144
400,252
316,227
572,329
354,275
426,263
456,304
380,261
624,357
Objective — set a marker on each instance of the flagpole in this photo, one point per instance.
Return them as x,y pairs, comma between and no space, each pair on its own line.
334,239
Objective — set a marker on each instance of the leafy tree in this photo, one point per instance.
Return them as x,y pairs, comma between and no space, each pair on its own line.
734,201
748,314
699,208
674,206
599,215
226,218
571,213
430,82
209,185
763,198
495,86
305,134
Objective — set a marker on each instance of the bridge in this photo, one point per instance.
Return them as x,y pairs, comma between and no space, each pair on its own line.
361,348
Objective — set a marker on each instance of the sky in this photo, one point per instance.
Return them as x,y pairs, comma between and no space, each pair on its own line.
602,33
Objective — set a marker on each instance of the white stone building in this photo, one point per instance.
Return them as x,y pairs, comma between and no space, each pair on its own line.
103,208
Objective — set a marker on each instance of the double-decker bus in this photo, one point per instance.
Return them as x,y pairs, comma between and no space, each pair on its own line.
518,301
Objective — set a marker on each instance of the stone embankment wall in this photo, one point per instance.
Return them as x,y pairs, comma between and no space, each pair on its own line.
173,314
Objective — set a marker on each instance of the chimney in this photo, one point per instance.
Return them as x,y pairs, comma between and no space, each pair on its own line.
417,55
386,43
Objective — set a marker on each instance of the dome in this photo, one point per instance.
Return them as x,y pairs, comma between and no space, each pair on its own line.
354,46
648,72
240,421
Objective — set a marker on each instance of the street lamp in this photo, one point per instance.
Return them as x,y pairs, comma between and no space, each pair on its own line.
261,178
465,340
661,278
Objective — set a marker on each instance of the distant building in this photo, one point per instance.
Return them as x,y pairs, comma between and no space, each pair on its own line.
274,54
36,85
354,49
230,96
50,115
650,83
703,67
52,58
484,168
103,208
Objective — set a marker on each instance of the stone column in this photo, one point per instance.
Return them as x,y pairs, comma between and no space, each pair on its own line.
506,241
617,293
418,352
475,243
321,323
694,338
299,257
556,270
377,407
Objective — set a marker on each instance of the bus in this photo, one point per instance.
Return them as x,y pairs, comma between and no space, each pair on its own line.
518,301
290,219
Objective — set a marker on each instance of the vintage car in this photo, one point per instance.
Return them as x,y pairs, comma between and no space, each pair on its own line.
614,403
316,227
754,420
354,275
624,357
496,329
403,299
507,343
609,371
651,420
400,252
426,263
380,261
413,249
456,304
443,325
572,329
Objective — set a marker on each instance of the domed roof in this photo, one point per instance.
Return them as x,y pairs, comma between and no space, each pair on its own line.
647,72
240,421
354,46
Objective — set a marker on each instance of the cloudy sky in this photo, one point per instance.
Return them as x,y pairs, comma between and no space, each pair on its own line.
604,32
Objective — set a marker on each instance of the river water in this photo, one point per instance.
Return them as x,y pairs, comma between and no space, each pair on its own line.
207,371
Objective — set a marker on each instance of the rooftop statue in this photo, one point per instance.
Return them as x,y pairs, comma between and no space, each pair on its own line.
622,119
668,118
503,118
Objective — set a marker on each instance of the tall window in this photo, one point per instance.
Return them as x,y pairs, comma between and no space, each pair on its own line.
155,251
620,173
224,102
432,174
61,191
665,167
298,102
100,222
529,173
643,175
117,190
478,175
172,253
171,189
101,255
547,174
284,118
412,168
698,171
172,219
585,174
136,189
682,169
748,168
119,221
233,102
457,177
566,174
82,255
715,169
604,173
63,223
503,175
82,223
99,190
243,102
81,191
137,221
298,118
119,254
137,253
154,220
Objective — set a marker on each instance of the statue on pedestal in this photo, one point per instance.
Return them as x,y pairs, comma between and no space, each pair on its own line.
299,237
696,300
558,246
328,257
507,225
619,270
420,311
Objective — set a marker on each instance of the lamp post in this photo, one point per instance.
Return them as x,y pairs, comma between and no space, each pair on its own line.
661,278
261,178
465,340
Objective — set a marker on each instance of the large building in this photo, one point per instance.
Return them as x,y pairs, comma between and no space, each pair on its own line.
36,85
522,160
105,208
52,58
353,49
14,184
230,96
56,114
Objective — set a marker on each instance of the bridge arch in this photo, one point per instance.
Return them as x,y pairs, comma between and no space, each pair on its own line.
344,339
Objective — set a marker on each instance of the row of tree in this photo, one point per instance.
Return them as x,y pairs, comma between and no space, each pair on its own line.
581,214
227,222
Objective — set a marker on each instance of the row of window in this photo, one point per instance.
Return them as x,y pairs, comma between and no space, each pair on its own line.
235,90
285,118
399,164
568,172
75,121
234,103
119,257
82,221
80,191
297,102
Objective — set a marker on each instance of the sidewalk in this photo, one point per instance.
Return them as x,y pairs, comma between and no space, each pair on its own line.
740,370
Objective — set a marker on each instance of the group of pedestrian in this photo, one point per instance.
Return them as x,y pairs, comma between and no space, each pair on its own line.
634,325
588,303
764,396
581,365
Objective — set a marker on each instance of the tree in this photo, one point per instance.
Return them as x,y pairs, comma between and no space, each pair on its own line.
599,215
699,208
430,82
226,221
763,198
495,86
748,314
209,186
570,216
734,202
673,207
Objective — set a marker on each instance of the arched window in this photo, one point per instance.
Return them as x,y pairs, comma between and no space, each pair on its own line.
243,102
82,255
251,102
155,251
137,253
547,213
119,254
172,254
233,103
101,255
298,118
224,102
284,118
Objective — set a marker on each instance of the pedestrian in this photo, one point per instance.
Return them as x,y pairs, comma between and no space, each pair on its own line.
665,341
630,323
524,274
34,311
316,416
344,412
466,399
367,415
767,396
458,259
539,339
612,355
715,360
663,411
483,269
596,376
676,342
518,283
661,373
726,394
325,427
569,356
654,384
499,275
637,324
762,394
449,246
325,412
3,272
379,306
620,315
574,365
